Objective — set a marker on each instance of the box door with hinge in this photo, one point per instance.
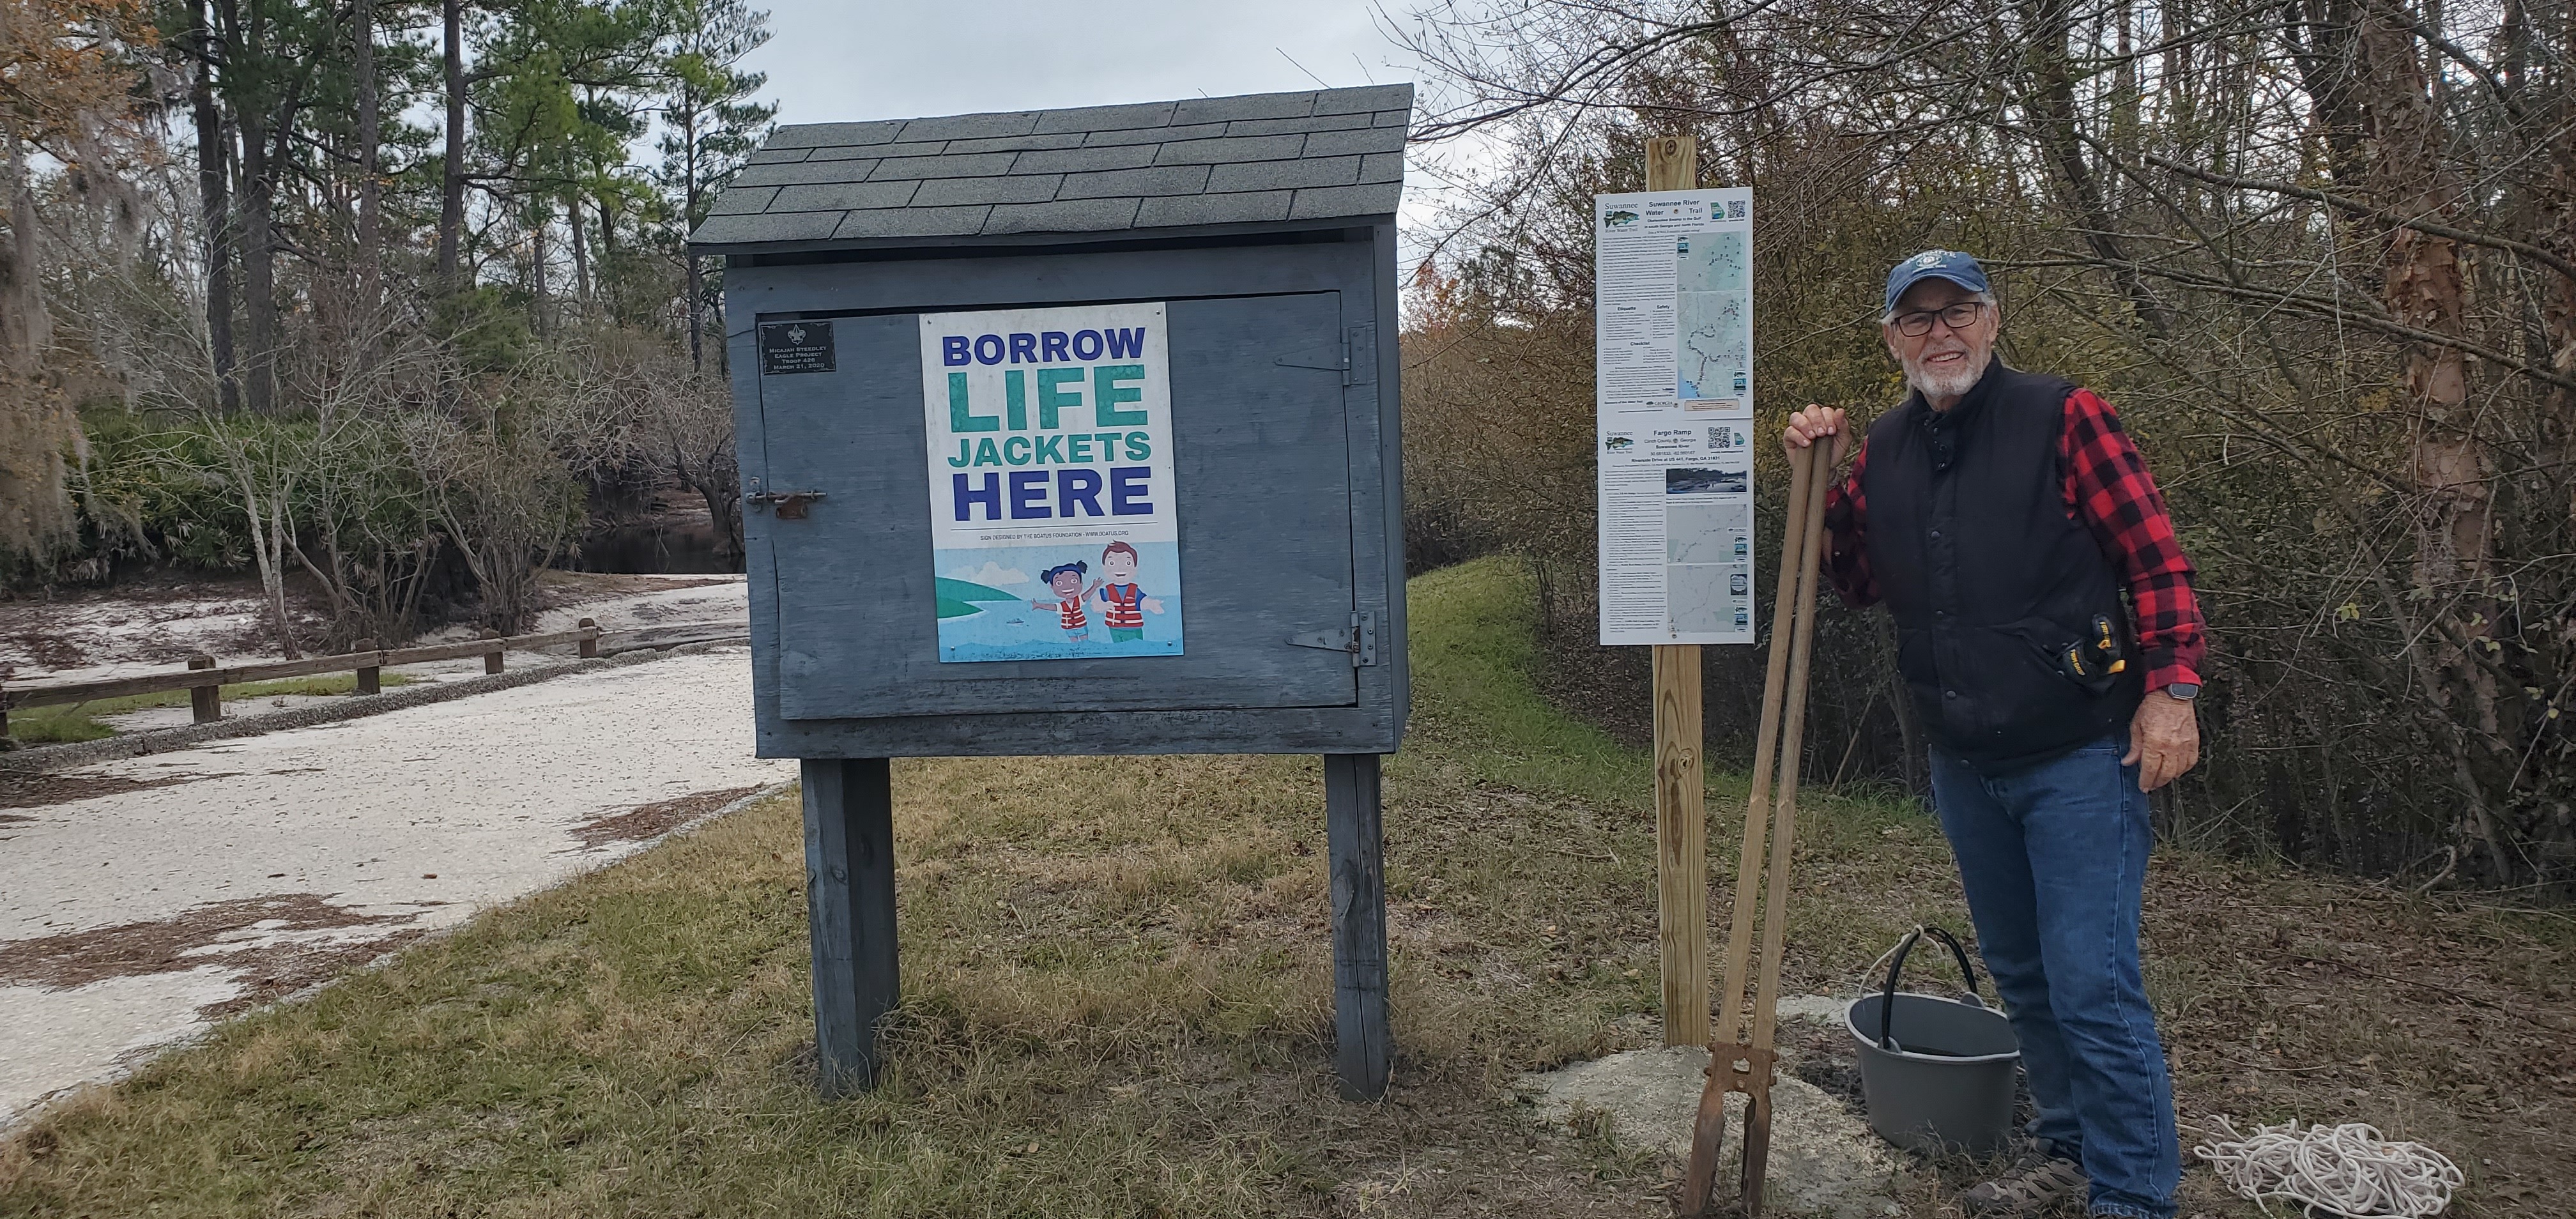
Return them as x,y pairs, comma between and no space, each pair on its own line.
1261,469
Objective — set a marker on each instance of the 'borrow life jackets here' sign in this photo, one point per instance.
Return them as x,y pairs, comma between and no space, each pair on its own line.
1054,527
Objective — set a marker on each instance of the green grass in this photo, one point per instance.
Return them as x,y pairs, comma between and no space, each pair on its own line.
84,721
1474,655
1117,1002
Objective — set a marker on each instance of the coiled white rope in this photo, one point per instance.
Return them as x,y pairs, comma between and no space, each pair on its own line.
2342,1170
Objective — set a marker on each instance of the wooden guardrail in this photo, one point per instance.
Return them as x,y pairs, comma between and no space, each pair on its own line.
204,681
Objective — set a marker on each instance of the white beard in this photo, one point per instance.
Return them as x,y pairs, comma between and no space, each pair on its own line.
1954,383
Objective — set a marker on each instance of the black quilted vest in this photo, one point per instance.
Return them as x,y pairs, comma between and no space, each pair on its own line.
1990,577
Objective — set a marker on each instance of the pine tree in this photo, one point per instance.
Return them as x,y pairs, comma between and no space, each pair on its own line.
709,122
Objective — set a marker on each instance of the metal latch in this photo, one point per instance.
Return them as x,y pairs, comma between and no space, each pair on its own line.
1360,640
790,504
1335,358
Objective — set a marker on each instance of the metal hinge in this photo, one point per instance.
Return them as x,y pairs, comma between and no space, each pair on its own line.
1360,641
1355,357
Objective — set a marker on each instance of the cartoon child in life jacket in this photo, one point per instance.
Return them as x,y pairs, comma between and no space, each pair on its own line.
1066,580
1123,603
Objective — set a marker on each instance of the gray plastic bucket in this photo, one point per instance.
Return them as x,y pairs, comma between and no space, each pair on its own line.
1938,1072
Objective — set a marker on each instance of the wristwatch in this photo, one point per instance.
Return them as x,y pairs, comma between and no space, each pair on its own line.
2184,690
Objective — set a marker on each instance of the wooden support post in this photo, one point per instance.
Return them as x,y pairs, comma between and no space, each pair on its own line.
1681,819
1354,850
207,702
1681,845
492,659
849,905
370,678
590,642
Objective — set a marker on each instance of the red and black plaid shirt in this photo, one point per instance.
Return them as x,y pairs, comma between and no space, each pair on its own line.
2106,482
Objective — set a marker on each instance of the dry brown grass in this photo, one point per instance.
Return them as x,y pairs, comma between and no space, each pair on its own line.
1116,1004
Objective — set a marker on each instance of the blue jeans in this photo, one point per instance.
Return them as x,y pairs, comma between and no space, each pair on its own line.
2054,859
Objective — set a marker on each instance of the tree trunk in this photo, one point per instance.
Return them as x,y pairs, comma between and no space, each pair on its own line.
2428,289
580,252
697,290
541,314
717,480
265,510
26,330
259,262
370,192
2327,55
451,198
215,204
697,284
2054,115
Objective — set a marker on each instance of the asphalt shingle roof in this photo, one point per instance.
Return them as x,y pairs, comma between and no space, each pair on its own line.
1319,155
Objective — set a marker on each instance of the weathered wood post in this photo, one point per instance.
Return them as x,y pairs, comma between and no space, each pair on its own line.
206,702
849,903
1354,851
590,642
370,678
491,659
1681,819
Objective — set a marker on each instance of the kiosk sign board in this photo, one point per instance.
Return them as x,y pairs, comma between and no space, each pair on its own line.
1070,432
1674,386
1054,522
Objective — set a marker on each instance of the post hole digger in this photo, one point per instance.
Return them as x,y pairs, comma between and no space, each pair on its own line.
1741,1054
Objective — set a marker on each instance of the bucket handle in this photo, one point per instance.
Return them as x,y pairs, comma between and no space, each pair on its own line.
1895,968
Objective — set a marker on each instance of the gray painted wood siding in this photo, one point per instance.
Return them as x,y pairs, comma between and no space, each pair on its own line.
1260,462
882,707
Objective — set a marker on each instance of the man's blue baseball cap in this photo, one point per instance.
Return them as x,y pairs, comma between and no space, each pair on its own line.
1951,265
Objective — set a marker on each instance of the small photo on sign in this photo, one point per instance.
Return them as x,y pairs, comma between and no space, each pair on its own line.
1706,528
787,348
1687,480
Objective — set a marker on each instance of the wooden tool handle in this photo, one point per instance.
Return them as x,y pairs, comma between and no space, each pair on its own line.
1803,467
1784,819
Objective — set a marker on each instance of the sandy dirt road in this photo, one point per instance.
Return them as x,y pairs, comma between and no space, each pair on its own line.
141,900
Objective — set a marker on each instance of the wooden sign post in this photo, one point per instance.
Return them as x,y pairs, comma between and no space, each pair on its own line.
1681,823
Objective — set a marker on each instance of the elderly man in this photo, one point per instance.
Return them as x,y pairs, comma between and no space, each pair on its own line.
2000,514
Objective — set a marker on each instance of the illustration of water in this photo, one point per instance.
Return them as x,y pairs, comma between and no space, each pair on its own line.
994,586
1013,631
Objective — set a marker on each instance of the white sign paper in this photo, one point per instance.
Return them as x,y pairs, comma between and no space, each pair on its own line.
1673,299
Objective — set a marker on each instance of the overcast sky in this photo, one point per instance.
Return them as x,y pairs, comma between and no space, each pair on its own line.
834,60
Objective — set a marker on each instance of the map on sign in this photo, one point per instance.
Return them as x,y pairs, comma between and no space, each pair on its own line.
1709,262
1713,316
1710,348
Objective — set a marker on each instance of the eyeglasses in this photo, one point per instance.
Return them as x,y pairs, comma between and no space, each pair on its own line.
1957,317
